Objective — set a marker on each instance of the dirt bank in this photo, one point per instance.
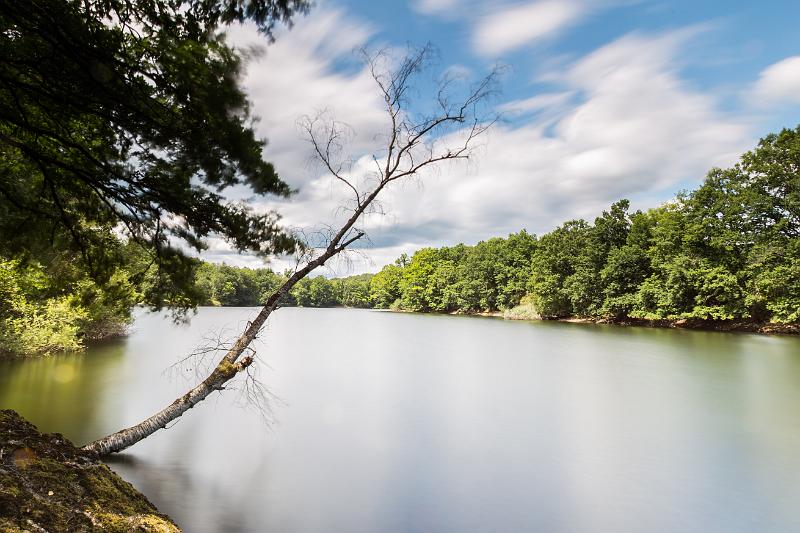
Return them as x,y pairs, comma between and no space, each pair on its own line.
49,485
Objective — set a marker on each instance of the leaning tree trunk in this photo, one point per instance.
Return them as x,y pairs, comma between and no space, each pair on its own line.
127,437
410,148
229,366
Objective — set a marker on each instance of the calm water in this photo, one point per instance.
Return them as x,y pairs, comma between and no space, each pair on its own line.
393,423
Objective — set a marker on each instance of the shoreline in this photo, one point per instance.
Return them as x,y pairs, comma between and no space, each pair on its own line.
696,324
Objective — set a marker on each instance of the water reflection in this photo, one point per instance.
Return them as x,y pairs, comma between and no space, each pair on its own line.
431,423
62,393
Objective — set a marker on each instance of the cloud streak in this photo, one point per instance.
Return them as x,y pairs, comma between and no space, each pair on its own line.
517,25
618,122
778,84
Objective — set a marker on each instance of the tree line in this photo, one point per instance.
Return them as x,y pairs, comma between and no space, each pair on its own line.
226,285
729,250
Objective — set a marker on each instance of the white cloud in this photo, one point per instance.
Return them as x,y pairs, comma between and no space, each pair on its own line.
539,102
778,83
436,7
301,74
518,25
625,125
502,26
638,131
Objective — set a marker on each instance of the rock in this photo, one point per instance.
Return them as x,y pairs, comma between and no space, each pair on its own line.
49,485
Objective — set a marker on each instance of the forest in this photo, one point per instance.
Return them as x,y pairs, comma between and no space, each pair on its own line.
728,250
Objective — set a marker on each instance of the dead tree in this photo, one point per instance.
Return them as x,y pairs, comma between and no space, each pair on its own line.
413,143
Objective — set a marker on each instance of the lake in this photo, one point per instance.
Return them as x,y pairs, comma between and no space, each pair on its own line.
387,422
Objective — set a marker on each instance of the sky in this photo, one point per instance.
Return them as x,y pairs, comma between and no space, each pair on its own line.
600,100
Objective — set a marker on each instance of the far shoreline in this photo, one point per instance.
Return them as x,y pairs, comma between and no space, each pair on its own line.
695,324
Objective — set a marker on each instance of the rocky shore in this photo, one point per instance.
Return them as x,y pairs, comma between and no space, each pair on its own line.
49,485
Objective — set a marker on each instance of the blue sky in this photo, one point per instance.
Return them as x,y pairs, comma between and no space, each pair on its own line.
601,99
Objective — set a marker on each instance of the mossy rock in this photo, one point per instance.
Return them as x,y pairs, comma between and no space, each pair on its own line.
49,485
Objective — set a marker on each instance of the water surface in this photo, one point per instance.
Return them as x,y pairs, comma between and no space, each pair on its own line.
402,423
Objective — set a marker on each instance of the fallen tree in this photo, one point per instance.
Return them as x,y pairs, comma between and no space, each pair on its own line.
414,143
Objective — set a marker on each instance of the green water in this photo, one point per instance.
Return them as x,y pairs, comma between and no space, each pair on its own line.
393,423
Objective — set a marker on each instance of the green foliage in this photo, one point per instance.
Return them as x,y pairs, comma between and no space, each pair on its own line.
384,287
567,267
44,310
688,287
314,292
226,285
728,250
489,276
774,281
625,270
354,291
122,116
557,270
128,114
513,267
526,310
415,286
229,286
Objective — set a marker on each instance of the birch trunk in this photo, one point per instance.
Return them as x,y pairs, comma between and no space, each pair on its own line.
125,438
410,148
227,368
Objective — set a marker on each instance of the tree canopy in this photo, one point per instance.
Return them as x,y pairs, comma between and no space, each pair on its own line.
729,250
128,116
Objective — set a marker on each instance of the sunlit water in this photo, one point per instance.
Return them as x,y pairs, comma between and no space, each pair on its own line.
393,423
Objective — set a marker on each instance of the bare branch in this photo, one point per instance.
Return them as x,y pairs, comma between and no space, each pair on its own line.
326,149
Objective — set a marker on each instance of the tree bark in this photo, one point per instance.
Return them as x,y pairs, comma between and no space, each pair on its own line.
228,367
127,437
